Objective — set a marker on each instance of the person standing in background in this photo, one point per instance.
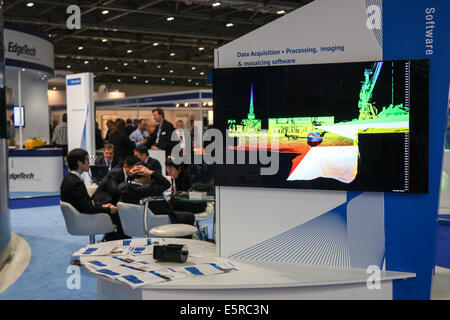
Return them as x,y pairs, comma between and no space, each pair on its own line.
11,132
109,125
123,146
52,128
160,139
140,134
99,143
129,127
181,132
59,138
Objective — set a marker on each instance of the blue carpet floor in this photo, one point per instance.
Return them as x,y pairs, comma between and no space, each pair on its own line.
51,252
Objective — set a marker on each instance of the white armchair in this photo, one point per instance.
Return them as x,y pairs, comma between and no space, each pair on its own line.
81,224
135,222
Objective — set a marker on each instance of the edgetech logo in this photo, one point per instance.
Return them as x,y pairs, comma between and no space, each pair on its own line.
21,50
21,176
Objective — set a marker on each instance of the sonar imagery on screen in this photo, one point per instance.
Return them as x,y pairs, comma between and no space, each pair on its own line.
359,144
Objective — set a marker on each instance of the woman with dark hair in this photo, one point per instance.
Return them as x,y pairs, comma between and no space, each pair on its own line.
180,176
181,182
123,146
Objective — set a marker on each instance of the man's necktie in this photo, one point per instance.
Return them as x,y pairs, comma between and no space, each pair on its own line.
159,133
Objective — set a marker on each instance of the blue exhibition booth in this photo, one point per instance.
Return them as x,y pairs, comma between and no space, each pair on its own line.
292,237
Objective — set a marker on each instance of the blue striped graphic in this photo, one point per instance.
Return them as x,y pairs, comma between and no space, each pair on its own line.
83,136
350,235
321,241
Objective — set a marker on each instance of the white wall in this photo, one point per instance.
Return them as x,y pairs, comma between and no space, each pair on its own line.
35,100
58,97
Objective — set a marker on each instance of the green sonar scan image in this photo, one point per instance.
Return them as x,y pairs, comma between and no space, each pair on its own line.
325,148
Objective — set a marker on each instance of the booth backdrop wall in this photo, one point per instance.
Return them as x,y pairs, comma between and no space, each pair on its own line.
35,102
406,224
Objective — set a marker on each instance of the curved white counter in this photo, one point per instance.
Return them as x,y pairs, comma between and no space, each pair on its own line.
254,280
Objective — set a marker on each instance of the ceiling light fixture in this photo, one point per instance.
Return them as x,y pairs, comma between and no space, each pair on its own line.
146,81
201,48
106,68
155,44
229,24
86,62
80,48
172,54
281,12
125,64
129,51
193,68
30,4
104,40
216,4
202,73
105,11
170,18
171,71
68,66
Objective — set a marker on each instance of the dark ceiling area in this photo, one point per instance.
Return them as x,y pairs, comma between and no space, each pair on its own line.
155,42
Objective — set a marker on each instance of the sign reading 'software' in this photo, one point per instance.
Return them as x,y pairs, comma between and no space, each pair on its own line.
26,50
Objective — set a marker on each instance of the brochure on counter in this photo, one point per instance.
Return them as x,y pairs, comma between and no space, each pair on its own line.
118,261
123,247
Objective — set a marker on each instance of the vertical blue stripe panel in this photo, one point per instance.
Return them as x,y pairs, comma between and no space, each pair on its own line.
410,219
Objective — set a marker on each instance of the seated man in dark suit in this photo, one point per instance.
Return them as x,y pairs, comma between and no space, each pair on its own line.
108,191
73,191
142,153
144,183
108,159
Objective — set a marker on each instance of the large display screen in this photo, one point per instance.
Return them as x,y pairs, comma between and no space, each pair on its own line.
348,126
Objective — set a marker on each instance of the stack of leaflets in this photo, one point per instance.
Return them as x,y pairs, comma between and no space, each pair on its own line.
119,261
124,247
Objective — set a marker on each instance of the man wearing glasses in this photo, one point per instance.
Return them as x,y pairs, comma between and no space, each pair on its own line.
73,191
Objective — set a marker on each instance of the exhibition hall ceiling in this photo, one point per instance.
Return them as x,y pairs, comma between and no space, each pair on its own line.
154,42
